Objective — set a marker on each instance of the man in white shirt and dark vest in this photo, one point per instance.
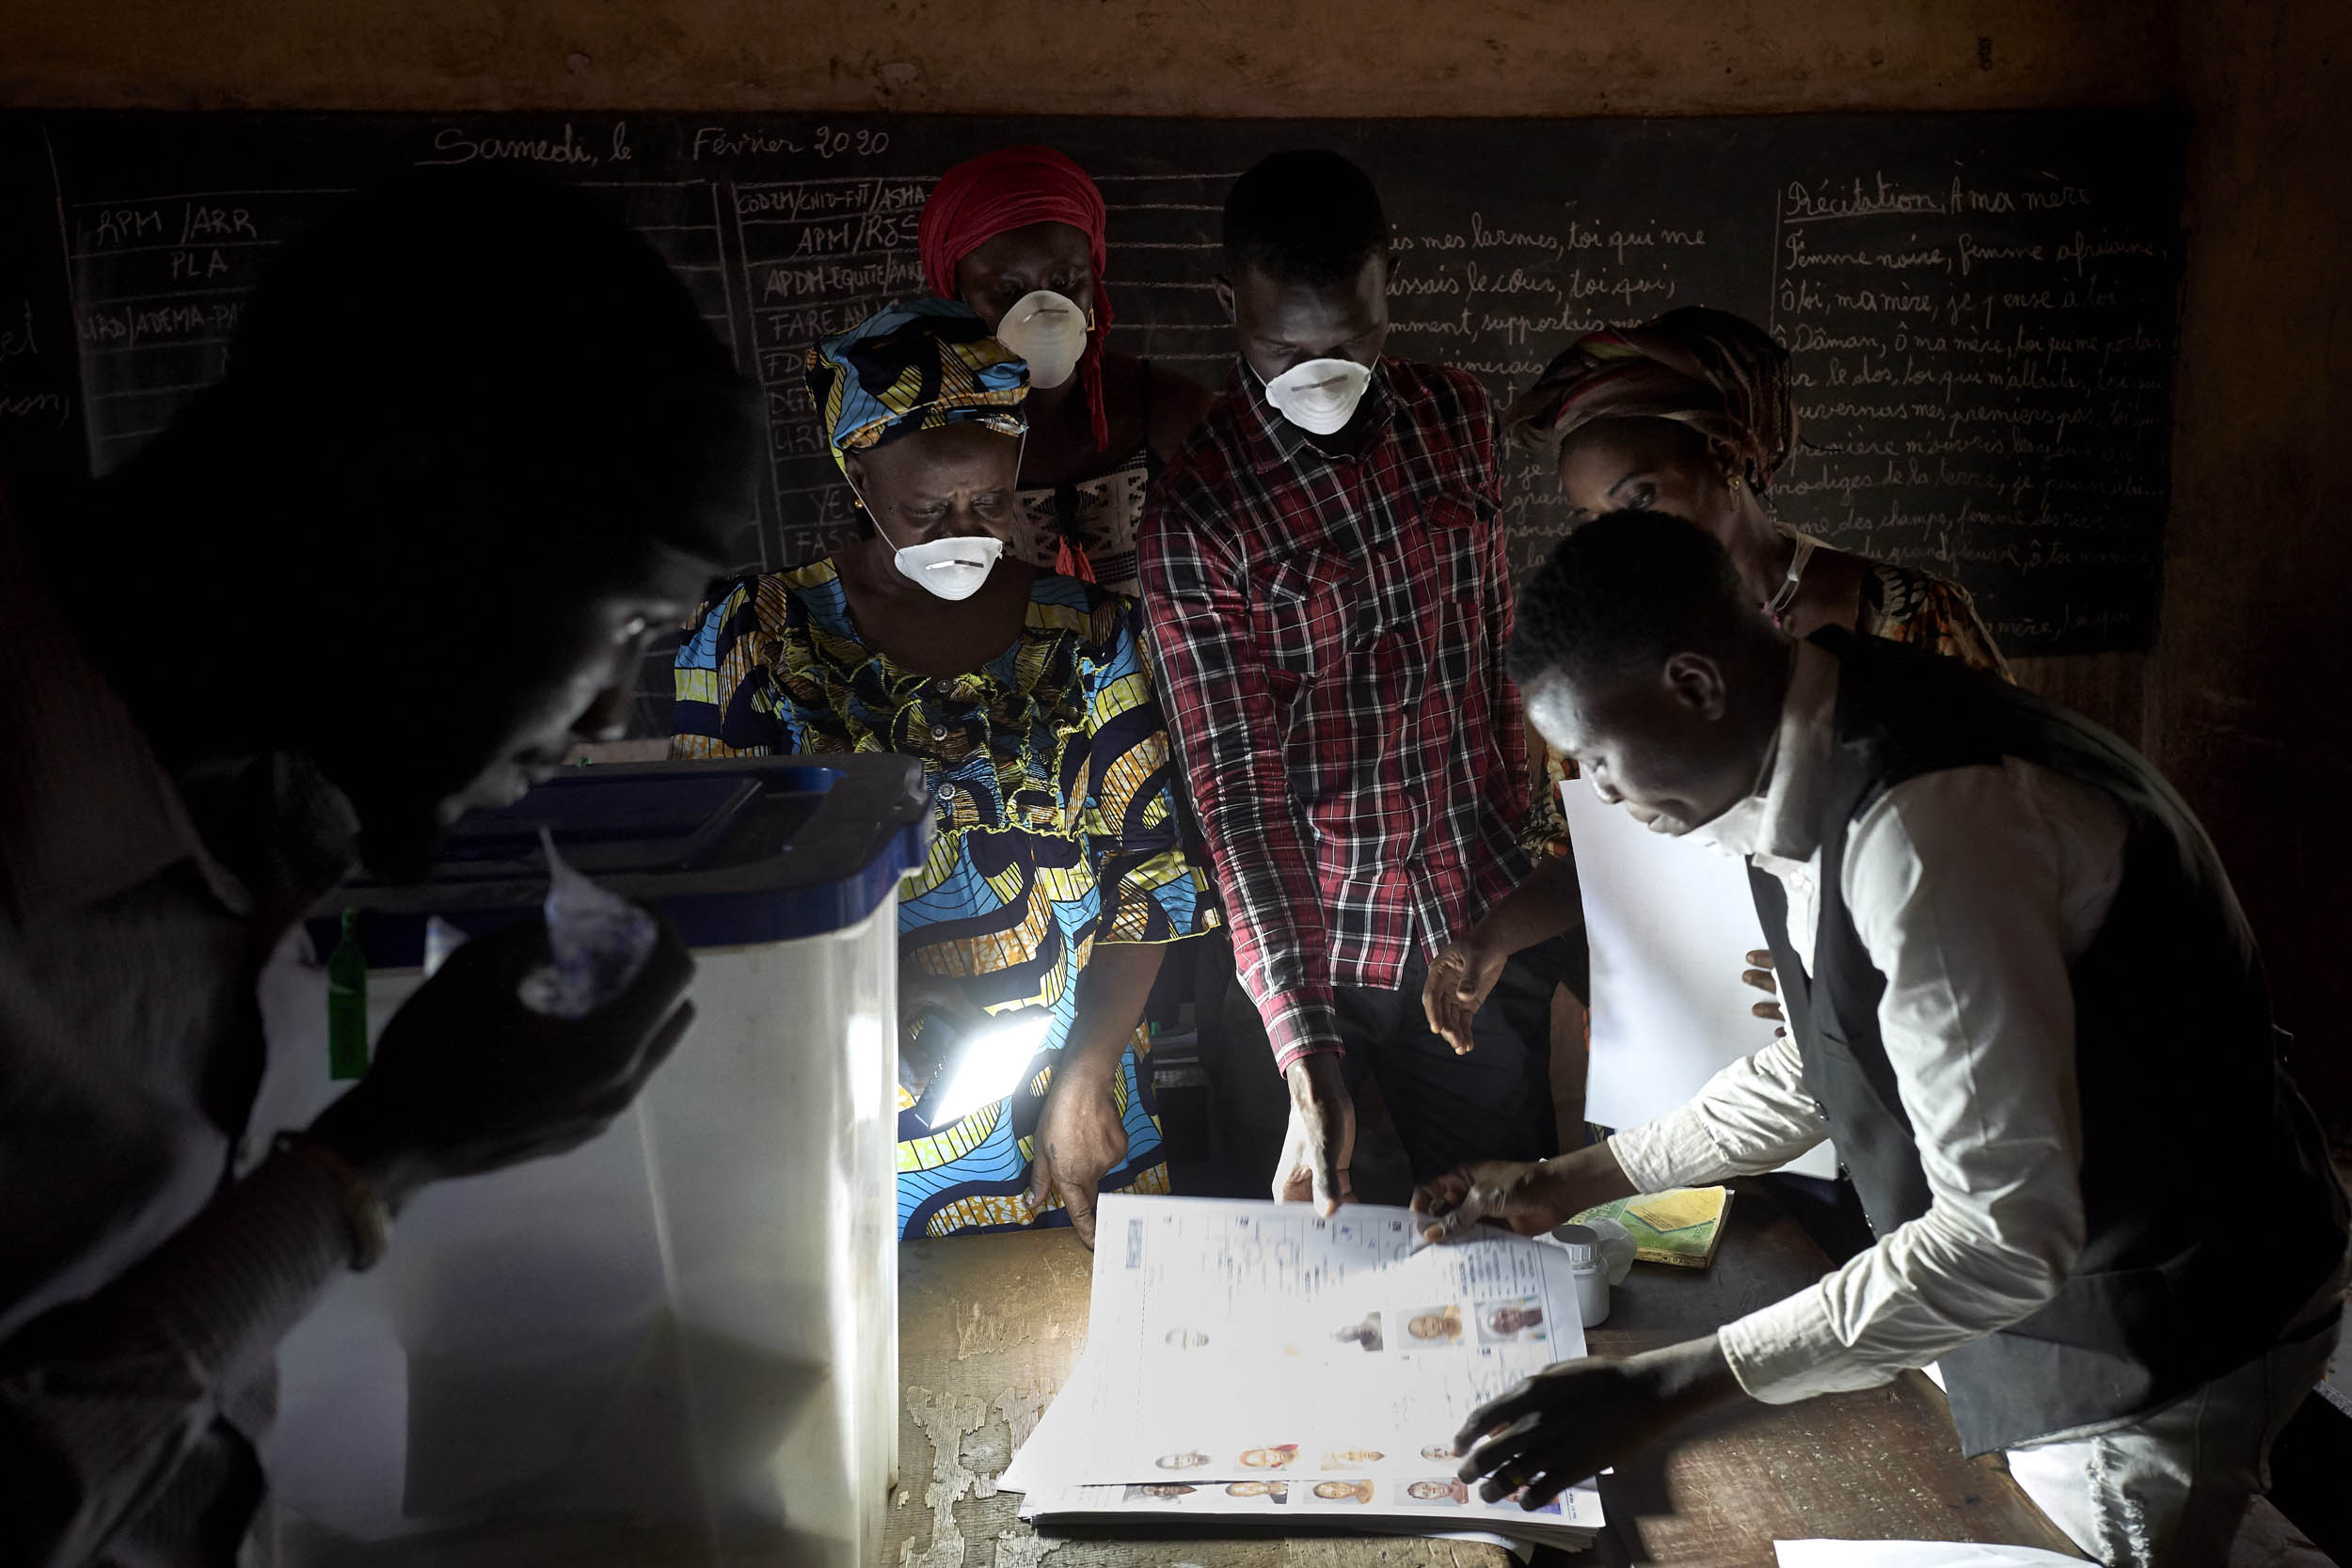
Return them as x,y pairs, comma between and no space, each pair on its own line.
2024,1003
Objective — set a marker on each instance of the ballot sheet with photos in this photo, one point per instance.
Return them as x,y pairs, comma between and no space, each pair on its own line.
1258,1364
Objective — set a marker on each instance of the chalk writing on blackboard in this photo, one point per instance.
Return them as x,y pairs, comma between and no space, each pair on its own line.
1981,381
1980,307
28,391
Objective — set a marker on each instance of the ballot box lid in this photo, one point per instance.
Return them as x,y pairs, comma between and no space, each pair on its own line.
734,852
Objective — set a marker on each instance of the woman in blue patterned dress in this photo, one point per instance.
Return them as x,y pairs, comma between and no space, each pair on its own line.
1057,878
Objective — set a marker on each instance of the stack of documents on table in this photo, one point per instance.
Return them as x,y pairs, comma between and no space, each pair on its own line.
1914,1554
1259,1366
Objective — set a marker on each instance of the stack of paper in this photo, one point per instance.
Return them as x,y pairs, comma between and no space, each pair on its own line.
1256,1362
1914,1554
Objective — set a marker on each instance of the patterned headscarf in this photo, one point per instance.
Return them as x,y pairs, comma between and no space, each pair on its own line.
1011,188
1722,376
916,365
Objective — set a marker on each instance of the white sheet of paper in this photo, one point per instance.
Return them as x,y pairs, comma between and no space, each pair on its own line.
1670,923
1253,1359
1571,1521
1915,1554
1238,1340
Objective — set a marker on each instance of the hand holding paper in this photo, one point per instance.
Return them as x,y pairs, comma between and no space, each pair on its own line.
1256,1361
468,1079
1528,1198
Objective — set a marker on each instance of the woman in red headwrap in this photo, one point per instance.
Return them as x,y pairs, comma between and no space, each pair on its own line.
1689,415
1017,234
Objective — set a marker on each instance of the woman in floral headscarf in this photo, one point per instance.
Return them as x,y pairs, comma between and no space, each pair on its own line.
1690,415
1038,921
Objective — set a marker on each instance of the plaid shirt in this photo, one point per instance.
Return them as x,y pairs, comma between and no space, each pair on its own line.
1329,634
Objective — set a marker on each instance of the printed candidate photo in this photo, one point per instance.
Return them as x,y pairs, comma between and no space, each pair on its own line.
1513,1319
1427,1327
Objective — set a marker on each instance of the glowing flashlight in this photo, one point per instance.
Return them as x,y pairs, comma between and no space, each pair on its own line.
983,1067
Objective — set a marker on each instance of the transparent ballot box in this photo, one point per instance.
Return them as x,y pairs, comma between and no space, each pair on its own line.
678,1342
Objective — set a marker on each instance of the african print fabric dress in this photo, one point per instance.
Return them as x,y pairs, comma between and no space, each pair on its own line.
1056,831
1903,603
1098,516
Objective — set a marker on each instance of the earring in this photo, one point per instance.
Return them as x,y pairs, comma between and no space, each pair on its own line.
1736,483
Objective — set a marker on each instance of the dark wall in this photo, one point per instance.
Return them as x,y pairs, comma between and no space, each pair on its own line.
2243,704
2252,718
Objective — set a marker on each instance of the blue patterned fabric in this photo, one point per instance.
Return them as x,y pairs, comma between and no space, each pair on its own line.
913,366
1058,830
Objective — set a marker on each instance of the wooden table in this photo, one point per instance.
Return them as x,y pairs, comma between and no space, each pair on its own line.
989,1326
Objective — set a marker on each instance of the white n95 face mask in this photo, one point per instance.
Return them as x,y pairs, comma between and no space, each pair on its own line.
1049,332
951,568
1319,395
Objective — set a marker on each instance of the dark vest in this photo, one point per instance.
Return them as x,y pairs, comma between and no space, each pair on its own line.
2211,1211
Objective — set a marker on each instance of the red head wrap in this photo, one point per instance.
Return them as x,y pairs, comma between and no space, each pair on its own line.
1011,188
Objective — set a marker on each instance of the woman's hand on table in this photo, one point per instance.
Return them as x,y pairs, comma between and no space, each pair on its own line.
1529,1198
1080,1139
1572,1421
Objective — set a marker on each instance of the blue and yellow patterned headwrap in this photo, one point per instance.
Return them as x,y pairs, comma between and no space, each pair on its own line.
916,365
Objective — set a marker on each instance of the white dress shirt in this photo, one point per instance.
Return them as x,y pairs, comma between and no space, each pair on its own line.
1973,890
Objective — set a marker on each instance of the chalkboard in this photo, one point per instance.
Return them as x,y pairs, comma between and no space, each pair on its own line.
1980,307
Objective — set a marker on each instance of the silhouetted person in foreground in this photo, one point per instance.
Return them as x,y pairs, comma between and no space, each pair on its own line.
473,442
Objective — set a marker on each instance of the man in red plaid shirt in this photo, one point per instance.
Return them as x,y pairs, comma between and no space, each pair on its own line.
1330,603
